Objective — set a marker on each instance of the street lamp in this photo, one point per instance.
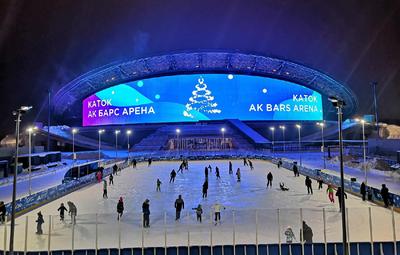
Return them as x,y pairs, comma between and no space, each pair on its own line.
273,137
298,126
223,137
116,142
30,130
18,113
101,131
339,106
178,131
74,131
283,136
128,133
364,148
322,125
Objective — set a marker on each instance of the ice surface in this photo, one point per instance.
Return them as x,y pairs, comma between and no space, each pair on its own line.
251,210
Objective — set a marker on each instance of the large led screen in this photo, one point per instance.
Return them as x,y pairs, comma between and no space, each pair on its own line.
195,97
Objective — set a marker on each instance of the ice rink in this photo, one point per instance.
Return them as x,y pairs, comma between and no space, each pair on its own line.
251,213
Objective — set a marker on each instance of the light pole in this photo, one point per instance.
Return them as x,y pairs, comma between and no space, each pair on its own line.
18,113
128,133
74,131
178,131
116,142
339,105
273,137
322,125
283,136
101,131
223,137
30,130
298,126
364,149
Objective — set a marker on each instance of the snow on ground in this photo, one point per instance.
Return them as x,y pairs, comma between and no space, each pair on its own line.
243,201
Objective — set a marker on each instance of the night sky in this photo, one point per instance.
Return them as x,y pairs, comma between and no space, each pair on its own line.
45,44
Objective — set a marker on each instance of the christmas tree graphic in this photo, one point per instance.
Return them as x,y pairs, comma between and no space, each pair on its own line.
201,100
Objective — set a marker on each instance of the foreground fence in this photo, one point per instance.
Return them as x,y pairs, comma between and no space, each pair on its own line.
244,232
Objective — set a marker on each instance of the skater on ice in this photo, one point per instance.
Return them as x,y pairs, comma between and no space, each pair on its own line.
385,195
105,189
330,192
238,174
111,179
338,194
172,175
308,184
39,222
230,168
3,212
295,170
199,212
158,189
306,233
179,205
149,161
289,235
283,187
62,209
320,182
279,164
146,213
251,164
206,172
205,188
115,169
217,212
369,193
72,211
217,173
210,168
245,162
99,176
269,179
120,208
363,190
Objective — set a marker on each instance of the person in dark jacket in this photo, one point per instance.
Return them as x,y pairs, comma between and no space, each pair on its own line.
146,213
269,179
363,190
120,208
62,209
320,182
39,222
115,169
158,189
308,183
149,161
172,175
205,188
307,233
295,169
217,173
279,164
338,194
3,212
230,168
179,205
251,164
105,189
385,195
111,179
199,212
369,193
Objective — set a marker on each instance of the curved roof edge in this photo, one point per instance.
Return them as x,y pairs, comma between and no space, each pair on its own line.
200,62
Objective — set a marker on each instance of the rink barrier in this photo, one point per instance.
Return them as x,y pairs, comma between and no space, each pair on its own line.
351,187
28,203
357,248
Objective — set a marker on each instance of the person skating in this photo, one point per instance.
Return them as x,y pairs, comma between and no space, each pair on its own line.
120,208
199,212
99,176
238,175
245,162
289,235
111,179
308,183
149,161
210,168
330,192
385,195
251,164
369,193
105,189
3,212
363,190
338,194
115,169
307,233
282,186
62,209
217,173
146,213
39,224
179,205
205,188
180,169
158,189
72,211
295,170
172,175
230,168
134,162
279,164
217,212
320,182
206,172
269,179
